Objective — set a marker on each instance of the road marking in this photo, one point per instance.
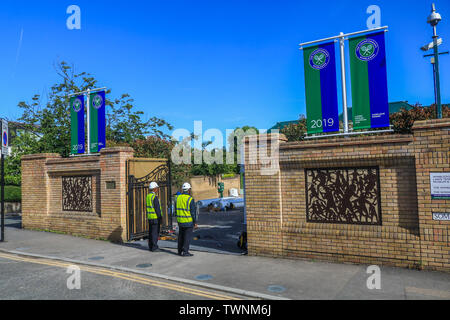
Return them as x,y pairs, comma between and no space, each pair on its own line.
428,292
125,276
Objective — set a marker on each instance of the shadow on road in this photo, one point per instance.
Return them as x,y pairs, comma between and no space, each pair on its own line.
218,232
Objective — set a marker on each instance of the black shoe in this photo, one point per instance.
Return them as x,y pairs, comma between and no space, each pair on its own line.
156,250
186,254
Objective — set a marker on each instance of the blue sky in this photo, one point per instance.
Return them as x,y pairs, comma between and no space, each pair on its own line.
227,63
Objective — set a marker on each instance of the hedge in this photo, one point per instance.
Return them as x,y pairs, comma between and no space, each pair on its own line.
13,194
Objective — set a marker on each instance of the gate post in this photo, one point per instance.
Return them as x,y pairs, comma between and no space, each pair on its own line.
170,195
130,200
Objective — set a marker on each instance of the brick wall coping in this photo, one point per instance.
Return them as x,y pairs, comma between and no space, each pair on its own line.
431,124
398,157
348,141
38,156
71,172
116,150
94,158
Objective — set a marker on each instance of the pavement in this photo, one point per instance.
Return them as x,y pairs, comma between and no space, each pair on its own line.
229,273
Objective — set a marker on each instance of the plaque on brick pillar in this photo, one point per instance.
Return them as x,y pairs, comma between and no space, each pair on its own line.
77,193
343,195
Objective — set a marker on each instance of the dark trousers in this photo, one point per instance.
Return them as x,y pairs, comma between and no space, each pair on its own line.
153,234
184,239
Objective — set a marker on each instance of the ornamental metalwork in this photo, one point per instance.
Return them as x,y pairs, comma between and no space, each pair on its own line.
159,175
138,189
77,193
343,195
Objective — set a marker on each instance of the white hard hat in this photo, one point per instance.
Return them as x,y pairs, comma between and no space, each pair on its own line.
186,186
153,185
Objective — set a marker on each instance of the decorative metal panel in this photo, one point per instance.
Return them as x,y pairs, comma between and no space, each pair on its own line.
77,193
138,189
343,195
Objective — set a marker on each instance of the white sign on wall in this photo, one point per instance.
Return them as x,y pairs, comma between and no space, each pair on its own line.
441,216
5,142
440,185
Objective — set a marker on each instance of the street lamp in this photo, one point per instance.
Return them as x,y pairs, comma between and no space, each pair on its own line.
433,20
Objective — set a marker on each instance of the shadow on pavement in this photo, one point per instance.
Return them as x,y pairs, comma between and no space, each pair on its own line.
218,232
13,221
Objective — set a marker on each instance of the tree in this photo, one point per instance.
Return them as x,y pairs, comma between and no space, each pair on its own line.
295,131
24,143
403,120
123,123
126,125
50,117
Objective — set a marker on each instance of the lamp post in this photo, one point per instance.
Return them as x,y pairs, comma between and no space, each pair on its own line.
433,20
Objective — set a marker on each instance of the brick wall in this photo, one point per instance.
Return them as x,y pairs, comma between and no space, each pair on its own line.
42,208
204,187
407,236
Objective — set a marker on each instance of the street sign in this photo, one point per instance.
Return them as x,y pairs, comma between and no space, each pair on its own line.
5,142
441,216
5,145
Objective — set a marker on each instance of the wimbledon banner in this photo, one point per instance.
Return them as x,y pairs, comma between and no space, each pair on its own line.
77,125
321,88
97,124
369,81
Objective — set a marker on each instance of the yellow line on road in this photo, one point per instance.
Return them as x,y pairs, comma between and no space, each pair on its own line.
122,275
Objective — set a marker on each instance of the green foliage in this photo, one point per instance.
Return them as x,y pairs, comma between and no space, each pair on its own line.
295,131
24,143
13,194
214,169
403,120
236,139
126,125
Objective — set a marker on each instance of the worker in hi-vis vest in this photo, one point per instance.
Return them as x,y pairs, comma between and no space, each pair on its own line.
186,212
154,217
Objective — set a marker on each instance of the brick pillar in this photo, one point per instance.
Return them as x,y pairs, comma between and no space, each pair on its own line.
263,195
114,201
35,187
431,147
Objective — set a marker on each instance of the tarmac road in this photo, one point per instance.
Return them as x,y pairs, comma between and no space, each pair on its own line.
213,272
25,278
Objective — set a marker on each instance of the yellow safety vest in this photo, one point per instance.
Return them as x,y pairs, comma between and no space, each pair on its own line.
183,208
151,212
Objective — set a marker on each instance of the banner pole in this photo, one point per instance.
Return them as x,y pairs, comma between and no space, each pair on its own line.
344,86
436,75
88,121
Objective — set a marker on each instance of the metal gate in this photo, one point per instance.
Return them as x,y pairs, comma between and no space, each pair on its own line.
138,189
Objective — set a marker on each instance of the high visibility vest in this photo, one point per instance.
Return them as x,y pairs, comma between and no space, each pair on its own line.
183,208
151,212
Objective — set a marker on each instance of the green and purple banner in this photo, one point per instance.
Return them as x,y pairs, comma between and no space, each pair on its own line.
370,106
97,123
321,88
77,130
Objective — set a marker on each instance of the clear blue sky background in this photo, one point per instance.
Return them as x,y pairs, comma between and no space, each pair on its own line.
228,63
